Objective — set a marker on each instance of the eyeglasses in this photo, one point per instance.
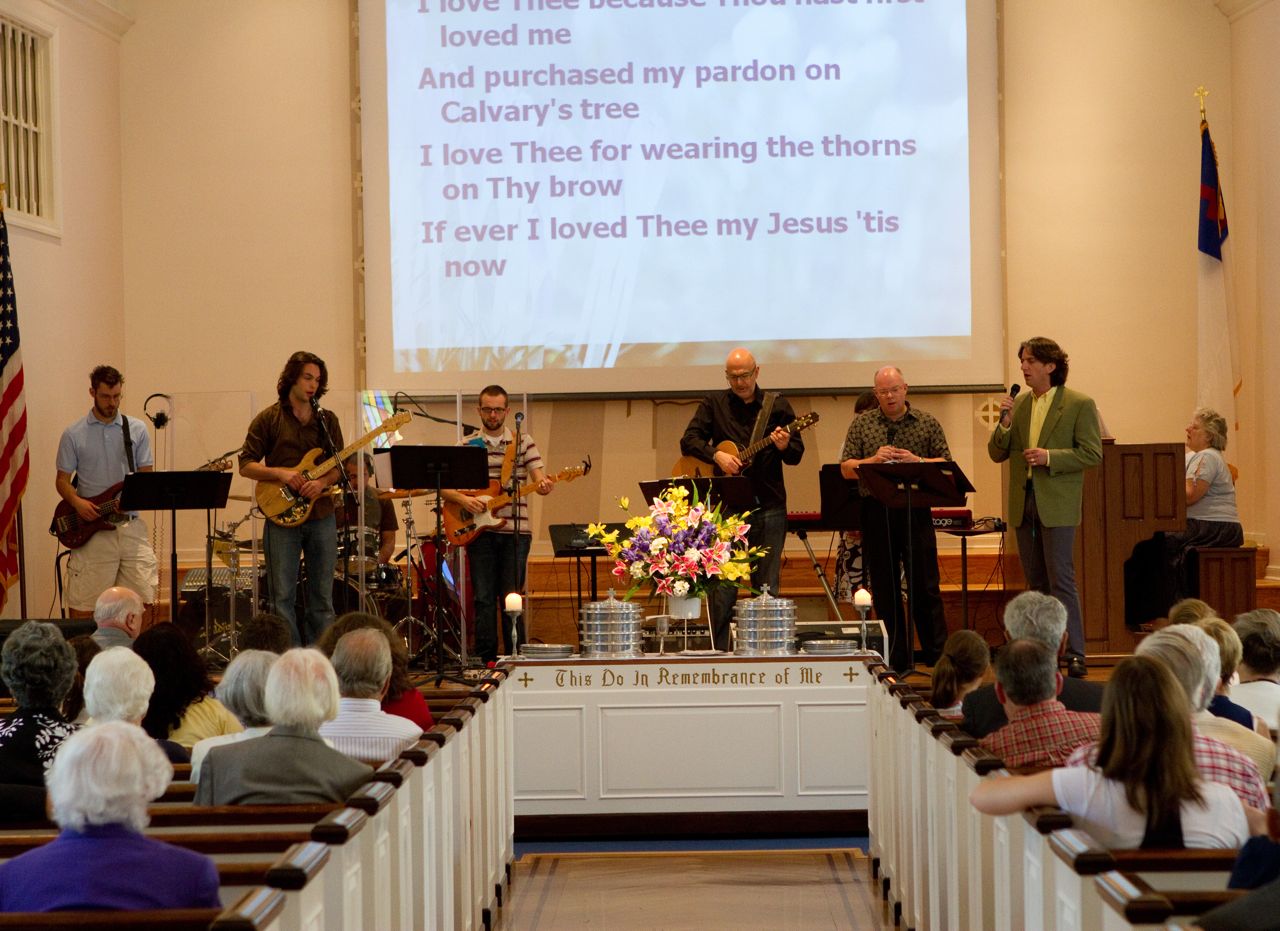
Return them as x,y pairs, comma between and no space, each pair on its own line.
740,376
890,392
493,410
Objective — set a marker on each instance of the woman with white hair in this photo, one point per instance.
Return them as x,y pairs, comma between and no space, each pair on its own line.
291,763
99,785
117,687
243,690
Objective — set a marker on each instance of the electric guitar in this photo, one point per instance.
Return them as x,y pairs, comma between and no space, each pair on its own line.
461,526
284,506
73,532
692,467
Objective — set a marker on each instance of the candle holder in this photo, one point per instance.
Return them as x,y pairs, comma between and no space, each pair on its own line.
513,607
862,602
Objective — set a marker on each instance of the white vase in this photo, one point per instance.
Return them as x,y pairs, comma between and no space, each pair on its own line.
687,608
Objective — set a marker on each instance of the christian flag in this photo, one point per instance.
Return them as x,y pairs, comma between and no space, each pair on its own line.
14,462
1217,368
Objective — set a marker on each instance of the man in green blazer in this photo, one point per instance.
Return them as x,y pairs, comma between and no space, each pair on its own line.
1050,436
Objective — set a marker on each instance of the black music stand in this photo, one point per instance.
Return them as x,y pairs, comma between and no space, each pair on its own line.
840,512
907,485
734,492
174,492
440,467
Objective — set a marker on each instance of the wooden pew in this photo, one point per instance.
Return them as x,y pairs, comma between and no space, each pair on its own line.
1129,903
257,910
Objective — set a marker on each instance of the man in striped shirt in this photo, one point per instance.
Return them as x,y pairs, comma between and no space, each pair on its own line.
497,557
362,730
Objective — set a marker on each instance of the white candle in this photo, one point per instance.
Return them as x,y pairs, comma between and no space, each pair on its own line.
862,598
514,602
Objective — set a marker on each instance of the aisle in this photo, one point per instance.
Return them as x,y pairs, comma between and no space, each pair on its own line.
775,890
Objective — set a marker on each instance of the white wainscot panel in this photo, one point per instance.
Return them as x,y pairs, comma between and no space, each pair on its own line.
550,744
691,750
832,746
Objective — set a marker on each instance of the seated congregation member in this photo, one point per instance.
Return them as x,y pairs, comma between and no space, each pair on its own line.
1190,656
117,687
268,632
1229,652
182,707
402,697
362,661
99,785
964,661
118,616
85,649
1041,731
1259,685
1212,517
291,763
1258,749
243,691
1190,610
38,666
1035,616
1144,789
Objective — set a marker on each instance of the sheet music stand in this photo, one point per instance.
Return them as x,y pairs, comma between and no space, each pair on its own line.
908,485
733,492
174,492
440,467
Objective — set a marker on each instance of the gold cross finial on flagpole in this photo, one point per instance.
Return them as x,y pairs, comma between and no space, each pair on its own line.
1201,92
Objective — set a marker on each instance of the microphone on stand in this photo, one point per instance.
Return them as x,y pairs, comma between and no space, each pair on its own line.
315,404
1013,393
519,416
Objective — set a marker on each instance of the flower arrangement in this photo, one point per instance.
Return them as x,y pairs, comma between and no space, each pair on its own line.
682,547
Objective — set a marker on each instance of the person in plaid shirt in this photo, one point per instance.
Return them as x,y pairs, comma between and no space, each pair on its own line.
1041,731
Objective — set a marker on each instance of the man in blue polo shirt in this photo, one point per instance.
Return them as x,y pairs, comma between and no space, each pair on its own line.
94,450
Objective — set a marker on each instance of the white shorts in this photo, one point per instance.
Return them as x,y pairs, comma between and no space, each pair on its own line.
112,557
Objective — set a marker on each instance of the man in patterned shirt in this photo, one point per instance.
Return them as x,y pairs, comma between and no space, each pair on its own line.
1041,731
498,556
897,432
1215,760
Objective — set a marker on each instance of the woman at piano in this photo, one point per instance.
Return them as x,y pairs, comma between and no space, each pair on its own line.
1212,518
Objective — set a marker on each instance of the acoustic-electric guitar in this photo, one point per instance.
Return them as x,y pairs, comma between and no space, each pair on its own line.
692,467
284,506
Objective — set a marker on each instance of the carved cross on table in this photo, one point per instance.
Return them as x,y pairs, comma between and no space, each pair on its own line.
525,680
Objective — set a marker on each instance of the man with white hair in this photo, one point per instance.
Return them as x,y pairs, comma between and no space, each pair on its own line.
118,614
291,764
362,661
1035,616
99,785
1192,656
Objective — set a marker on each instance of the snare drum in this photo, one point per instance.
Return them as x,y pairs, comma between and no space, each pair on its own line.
349,543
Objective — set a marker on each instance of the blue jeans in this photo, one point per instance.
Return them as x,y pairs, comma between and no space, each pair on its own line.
316,542
768,529
497,563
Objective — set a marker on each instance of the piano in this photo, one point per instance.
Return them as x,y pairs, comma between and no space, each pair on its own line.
943,519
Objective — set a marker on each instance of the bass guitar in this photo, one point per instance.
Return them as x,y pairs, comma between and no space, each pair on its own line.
692,467
285,507
73,532
461,526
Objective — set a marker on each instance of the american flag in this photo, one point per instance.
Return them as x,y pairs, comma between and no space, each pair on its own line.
14,461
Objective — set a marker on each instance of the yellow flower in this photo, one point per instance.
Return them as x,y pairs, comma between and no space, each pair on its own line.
595,530
610,538
625,503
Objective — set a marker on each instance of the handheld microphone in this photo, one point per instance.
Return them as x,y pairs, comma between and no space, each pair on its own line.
1013,393
891,434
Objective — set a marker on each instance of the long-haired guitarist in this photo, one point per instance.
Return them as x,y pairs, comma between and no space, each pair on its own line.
497,557
99,450
279,439
743,415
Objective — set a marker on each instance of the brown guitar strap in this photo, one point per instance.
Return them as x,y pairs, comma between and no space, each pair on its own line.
766,409
508,464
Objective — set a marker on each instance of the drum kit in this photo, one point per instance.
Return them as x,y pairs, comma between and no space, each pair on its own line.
233,586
